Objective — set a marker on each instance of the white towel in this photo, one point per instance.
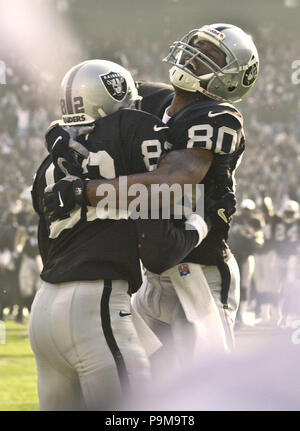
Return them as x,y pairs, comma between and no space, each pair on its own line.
199,306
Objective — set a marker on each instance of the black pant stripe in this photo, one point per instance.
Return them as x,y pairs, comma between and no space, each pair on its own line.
225,280
69,101
110,339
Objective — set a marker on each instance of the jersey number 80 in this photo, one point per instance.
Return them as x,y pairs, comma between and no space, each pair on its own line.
205,140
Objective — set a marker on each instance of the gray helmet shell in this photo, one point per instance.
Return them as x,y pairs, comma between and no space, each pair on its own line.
93,89
229,83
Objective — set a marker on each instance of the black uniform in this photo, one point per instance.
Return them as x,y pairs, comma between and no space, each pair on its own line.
246,237
82,247
285,236
208,124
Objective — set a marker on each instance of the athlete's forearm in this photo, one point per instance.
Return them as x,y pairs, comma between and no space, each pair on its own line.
177,167
163,243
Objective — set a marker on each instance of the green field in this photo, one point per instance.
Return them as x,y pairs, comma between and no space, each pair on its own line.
18,387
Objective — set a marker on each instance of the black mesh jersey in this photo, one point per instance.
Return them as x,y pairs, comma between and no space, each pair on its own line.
216,127
81,246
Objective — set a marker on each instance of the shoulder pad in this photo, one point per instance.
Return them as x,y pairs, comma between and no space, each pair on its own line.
155,97
210,109
227,108
209,125
146,89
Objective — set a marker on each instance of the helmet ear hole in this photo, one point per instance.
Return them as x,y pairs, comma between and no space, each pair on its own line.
231,88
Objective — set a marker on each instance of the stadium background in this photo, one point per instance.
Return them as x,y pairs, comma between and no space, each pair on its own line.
42,39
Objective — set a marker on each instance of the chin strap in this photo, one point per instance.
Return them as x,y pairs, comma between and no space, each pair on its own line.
179,82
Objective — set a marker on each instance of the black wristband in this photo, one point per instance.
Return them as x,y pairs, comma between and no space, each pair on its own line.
79,190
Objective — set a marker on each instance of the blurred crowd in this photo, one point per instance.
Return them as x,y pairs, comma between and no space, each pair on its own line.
266,245
20,263
29,102
271,113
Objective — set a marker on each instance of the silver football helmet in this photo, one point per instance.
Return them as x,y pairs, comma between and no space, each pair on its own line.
248,204
290,210
93,89
229,83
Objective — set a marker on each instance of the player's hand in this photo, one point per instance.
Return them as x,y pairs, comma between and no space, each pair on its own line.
62,197
67,154
218,213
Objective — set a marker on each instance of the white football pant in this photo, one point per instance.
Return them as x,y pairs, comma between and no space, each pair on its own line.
87,345
183,306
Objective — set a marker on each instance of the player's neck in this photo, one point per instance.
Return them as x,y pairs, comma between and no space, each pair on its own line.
182,99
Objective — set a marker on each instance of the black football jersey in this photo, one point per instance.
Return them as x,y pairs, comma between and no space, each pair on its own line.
216,127
156,97
284,236
246,235
81,246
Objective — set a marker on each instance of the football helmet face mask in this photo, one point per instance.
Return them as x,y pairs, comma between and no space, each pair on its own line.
93,89
228,83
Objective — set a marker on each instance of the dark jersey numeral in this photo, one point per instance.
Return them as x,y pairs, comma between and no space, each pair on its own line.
78,105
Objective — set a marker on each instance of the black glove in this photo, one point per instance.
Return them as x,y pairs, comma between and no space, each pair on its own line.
62,197
218,212
67,154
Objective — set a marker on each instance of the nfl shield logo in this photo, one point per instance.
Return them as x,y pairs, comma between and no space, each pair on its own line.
115,84
184,269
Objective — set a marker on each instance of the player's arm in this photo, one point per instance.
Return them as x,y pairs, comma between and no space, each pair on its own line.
268,209
37,194
195,141
258,233
176,167
165,243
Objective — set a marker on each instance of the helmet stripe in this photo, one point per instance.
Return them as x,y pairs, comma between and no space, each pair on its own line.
69,87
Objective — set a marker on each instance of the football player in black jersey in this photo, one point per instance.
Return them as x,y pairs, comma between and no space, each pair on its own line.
284,238
211,67
90,346
246,238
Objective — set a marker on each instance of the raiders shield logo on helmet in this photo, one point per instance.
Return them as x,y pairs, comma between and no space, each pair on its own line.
115,85
250,75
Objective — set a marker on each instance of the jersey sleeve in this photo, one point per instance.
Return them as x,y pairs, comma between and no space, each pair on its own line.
39,183
145,140
163,243
155,97
219,132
